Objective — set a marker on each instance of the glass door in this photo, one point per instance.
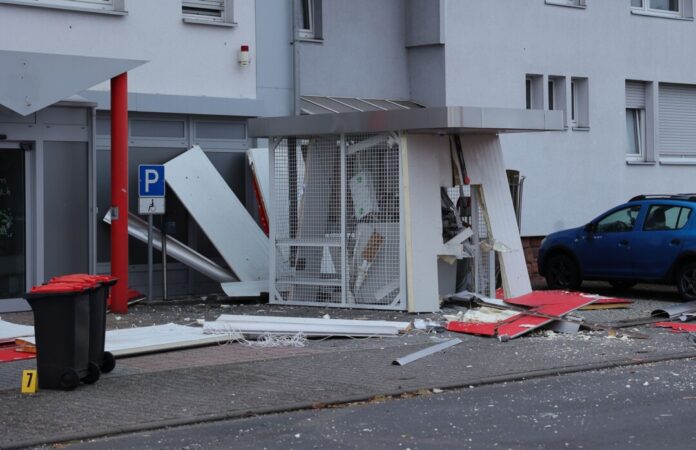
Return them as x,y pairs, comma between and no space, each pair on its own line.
12,223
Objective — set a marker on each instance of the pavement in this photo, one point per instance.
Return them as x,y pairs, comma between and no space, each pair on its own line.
237,380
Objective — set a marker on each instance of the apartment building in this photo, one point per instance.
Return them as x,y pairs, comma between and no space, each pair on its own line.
186,86
620,70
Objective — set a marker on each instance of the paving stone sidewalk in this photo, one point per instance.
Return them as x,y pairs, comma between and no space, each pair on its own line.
234,380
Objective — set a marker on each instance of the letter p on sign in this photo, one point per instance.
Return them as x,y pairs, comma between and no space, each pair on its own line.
151,180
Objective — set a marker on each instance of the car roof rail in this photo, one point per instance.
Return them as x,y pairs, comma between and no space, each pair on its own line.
684,197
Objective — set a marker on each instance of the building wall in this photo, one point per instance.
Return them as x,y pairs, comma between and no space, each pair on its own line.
362,53
185,59
573,175
274,57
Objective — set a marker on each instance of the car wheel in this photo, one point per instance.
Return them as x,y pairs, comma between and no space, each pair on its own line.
623,284
562,273
686,281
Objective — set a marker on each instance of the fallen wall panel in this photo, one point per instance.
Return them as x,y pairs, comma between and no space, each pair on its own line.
220,214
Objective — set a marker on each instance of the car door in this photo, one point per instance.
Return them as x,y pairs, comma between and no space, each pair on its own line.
605,250
659,239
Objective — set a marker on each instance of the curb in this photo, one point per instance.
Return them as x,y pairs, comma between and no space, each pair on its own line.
476,382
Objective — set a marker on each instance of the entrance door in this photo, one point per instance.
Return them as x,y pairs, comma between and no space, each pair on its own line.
12,227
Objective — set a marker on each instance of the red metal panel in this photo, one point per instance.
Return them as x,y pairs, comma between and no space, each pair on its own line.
480,329
679,327
119,192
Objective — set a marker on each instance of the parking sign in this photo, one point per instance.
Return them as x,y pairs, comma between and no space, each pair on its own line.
151,189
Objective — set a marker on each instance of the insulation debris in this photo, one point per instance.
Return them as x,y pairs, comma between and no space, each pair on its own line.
544,307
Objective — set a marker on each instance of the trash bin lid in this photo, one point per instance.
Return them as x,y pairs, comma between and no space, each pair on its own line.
57,289
85,278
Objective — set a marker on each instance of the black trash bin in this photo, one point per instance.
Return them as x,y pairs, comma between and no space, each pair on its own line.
61,328
97,316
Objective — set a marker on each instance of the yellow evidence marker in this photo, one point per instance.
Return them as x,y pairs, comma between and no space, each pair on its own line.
29,382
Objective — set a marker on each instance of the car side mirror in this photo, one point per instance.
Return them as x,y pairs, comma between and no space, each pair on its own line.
590,227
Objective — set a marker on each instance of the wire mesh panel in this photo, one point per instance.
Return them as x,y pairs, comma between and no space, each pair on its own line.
373,222
337,222
474,274
307,221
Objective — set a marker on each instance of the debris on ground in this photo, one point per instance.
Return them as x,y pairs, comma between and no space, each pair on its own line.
426,352
260,325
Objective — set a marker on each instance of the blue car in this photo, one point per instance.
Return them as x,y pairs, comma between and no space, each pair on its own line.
652,238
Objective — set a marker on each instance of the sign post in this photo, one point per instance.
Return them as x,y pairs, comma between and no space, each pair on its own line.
151,201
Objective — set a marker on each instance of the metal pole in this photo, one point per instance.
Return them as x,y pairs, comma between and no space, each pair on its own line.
164,259
149,257
119,192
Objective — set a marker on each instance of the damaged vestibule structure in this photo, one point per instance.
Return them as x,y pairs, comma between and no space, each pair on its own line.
393,209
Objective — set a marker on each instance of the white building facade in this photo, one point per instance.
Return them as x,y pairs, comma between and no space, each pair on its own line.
621,70
190,89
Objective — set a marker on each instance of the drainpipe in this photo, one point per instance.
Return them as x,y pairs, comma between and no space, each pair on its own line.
295,57
119,192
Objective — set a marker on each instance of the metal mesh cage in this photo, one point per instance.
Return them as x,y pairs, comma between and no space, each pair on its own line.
476,274
373,220
336,222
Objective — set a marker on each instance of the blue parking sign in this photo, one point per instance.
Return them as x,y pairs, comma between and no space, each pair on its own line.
151,180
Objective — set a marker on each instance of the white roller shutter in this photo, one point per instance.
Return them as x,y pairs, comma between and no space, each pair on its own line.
635,94
677,120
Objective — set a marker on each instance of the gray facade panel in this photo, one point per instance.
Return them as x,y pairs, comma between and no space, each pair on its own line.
424,24
66,206
362,53
427,75
182,104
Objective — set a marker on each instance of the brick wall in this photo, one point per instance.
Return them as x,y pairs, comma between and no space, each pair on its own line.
531,245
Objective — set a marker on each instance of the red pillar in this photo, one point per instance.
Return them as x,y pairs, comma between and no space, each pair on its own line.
119,192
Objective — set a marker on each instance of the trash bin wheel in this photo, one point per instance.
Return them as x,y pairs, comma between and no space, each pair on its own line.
69,379
108,362
92,373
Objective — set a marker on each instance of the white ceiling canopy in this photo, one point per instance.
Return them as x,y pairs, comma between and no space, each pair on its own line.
32,81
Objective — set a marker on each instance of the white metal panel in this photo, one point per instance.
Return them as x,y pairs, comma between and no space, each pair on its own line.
635,94
221,216
136,341
10,330
32,81
422,218
483,157
677,120
311,320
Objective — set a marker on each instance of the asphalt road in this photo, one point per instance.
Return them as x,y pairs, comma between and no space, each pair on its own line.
642,407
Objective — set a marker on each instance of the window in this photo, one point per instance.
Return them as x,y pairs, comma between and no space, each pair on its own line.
309,20
99,6
575,3
573,107
534,92
557,95
635,120
635,129
677,123
551,95
666,218
579,103
663,8
657,5
621,220
208,11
